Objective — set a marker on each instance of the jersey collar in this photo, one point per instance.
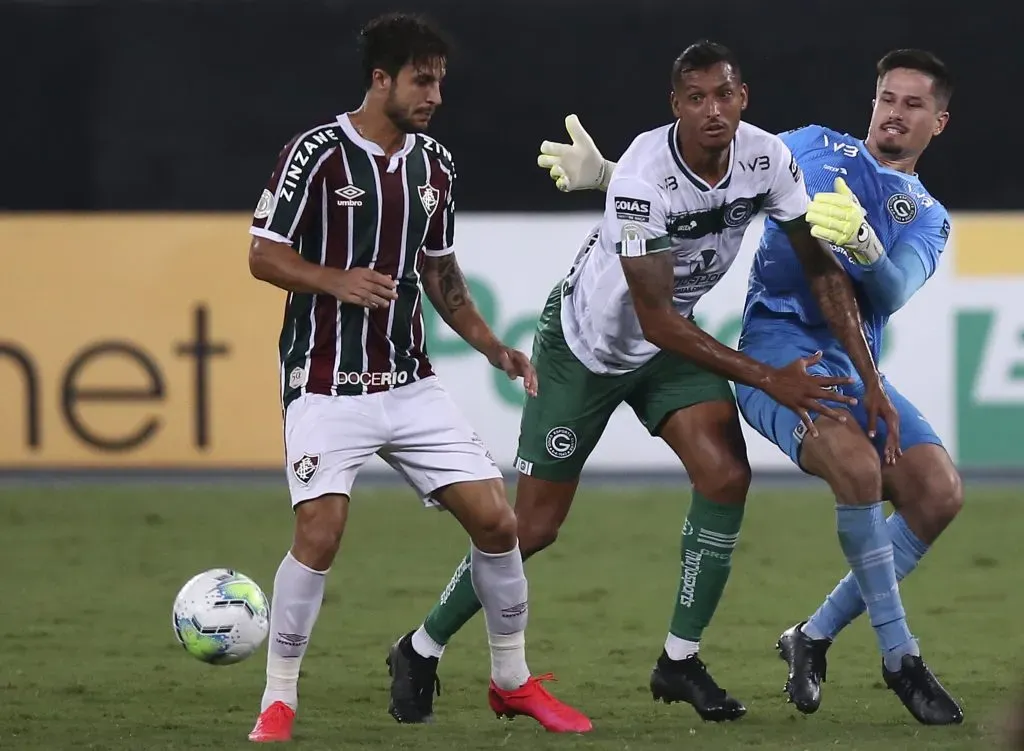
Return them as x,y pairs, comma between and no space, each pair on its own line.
369,146
699,182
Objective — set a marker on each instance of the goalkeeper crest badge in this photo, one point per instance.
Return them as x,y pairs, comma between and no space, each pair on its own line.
429,196
902,208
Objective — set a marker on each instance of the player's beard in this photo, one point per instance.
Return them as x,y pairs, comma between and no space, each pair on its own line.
890,149
400,117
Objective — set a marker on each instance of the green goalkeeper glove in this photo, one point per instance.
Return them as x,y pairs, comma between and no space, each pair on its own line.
578,166
838,218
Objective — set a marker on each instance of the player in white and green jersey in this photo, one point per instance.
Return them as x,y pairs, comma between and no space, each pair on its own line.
619,329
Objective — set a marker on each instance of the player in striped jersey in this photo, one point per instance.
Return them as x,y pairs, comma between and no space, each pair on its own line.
356,223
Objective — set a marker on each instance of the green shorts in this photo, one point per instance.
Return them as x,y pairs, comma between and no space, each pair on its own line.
561,426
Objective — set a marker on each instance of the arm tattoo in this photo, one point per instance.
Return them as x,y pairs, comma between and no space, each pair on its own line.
651,279
446,288
834,293
452,293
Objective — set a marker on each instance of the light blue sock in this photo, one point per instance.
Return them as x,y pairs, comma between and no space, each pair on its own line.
845,604
866,545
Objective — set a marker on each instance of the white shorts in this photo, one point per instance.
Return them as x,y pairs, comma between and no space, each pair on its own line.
417,429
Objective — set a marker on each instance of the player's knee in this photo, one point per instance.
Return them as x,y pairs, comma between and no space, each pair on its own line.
319,525
857,478
726,479
541,508
495,529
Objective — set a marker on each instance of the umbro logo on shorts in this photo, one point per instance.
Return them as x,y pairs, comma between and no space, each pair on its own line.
306,467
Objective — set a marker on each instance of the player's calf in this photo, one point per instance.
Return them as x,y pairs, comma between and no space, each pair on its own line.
297,595
541,507
708,440
482,510
843,456
496,568
500,584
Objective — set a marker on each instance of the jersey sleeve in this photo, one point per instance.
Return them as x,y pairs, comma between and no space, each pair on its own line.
635,217
787,195
897,276
440,238
927,238
291,197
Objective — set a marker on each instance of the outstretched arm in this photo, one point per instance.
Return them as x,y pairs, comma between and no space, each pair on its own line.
576,166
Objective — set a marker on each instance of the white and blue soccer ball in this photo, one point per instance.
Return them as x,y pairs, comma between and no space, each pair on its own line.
221,616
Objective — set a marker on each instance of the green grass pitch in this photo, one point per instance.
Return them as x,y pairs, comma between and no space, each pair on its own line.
88,658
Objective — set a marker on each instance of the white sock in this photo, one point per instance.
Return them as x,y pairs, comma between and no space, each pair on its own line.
298,593
500,585
508,660
424,645
680,649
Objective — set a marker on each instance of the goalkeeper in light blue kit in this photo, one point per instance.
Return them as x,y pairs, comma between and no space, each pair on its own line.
888,232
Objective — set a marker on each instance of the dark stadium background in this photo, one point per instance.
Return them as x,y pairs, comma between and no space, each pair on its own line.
181,105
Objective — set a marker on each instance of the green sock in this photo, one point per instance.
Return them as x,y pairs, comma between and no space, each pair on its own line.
709,536
457,605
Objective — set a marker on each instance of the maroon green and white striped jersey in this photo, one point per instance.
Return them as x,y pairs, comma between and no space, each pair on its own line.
339,201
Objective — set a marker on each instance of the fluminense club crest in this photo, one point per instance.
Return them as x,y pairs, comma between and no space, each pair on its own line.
429,196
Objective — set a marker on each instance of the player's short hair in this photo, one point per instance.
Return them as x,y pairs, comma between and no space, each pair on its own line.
927,63
701,56
391,41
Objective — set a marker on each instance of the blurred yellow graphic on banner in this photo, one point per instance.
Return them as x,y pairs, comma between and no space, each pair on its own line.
989,244
136,340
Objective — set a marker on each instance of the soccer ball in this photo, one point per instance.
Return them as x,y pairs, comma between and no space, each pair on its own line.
221,616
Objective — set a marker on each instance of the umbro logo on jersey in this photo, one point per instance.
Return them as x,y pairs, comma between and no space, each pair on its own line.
632,209
348,195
